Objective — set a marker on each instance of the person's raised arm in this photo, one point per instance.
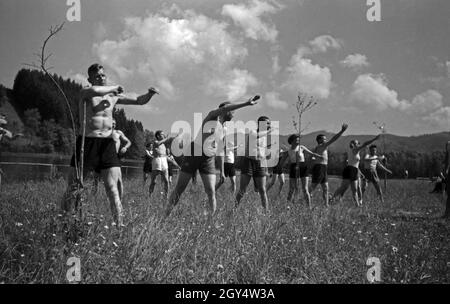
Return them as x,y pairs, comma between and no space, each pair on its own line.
367,143
141,100
232,107
336,137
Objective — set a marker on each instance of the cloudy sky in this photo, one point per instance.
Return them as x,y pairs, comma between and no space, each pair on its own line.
201,53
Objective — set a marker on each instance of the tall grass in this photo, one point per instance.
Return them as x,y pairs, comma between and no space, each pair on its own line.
291,244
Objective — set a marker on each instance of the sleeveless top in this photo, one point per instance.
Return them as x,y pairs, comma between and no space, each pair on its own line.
370,162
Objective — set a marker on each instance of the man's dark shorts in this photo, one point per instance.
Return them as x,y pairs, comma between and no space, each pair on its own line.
371,175
230,170
278,169
319,174
298,170
252,167
350,173
99,154
204,164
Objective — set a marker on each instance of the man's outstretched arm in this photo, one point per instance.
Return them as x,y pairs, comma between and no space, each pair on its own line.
141,100
336,137
232,107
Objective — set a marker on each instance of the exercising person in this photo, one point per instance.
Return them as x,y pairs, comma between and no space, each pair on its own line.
205,163
148,157
277,173
370,164
229,166
350,175
320,165
297,168
100,152
254,163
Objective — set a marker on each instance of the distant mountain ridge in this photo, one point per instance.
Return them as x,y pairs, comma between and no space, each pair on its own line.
426,143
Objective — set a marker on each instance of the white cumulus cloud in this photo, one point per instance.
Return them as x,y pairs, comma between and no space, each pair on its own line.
250,18
307,77
373,90
322,43
188,52
355,61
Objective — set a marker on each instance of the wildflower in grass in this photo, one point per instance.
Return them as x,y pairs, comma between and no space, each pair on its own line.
115,244
219,267
394,249
106,227
19,224
359,231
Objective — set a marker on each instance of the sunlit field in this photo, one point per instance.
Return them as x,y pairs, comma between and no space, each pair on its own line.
291,244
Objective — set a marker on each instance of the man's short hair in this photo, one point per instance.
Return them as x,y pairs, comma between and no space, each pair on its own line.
263,118
372,147
292,138
93,69
158,133
224,104
319,136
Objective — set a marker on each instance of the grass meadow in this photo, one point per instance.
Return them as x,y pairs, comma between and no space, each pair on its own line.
291,244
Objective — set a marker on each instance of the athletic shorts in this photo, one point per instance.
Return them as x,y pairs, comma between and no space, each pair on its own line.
230,170
204,164
252,167
298,170
160,164
371,175
319,174
277,169
99,154
147,167
351,173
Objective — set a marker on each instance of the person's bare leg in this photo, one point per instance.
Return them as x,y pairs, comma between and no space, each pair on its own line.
354,188
292,189
305,190
271,182
209,182
120,185
153,177
245,180
261,184
312,189
219,184
379,191
325,193
165,181
339,193
233,184
110,179
282,182
359,190
182,182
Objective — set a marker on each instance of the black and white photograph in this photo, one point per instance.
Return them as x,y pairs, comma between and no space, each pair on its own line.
225,147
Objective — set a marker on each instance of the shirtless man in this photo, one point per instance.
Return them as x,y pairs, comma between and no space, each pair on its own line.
205,163
160,165
320,165
371,162
254,164
229,167
100,152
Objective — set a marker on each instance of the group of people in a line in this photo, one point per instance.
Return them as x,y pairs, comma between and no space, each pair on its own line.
102,151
